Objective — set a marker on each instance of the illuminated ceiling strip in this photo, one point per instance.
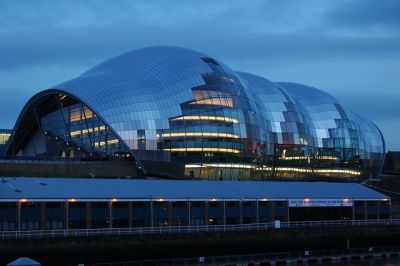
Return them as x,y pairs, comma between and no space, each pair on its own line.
221,165
249,166
207,118
199,134
331,158
222,101
304,170
202,150
85,131
337,171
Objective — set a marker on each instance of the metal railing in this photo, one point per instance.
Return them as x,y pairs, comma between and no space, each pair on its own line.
284,257
59,159
190,229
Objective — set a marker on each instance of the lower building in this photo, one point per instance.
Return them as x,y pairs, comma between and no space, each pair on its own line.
67,203
4,137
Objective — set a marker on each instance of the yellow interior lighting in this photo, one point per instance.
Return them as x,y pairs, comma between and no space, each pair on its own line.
207,118
203,150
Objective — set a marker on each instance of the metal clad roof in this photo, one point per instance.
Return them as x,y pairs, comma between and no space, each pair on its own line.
80,188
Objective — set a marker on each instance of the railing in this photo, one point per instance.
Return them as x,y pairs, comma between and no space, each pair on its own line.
190,229
279,257
58,159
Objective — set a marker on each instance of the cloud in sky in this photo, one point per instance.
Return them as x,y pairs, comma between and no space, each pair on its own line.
349,48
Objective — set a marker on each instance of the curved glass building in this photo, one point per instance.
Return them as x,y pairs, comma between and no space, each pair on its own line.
179,113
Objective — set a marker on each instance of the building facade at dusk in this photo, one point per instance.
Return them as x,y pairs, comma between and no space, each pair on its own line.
74,203
179,113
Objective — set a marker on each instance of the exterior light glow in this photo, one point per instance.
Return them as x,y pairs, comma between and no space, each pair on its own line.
72,200
160,200
23,200
345,200
264,199
213,199
114,200
306,200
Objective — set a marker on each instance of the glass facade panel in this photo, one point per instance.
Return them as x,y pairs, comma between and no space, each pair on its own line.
249,212
77,215
264,211
120,214
99,214
55,215
8,216
197,213
141,214
30,215
179,213
180,113
160,213
232,212
215,212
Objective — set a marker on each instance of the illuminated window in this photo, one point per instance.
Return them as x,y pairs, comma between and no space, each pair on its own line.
210,97
75,115
85,131
4,137
103,143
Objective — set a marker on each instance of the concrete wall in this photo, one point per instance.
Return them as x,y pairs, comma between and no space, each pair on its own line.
68,168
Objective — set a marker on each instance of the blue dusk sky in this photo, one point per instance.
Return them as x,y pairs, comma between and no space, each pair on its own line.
348,48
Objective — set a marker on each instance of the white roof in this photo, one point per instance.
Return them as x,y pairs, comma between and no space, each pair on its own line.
80,188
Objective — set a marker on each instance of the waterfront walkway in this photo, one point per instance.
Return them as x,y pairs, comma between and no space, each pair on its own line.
70,233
